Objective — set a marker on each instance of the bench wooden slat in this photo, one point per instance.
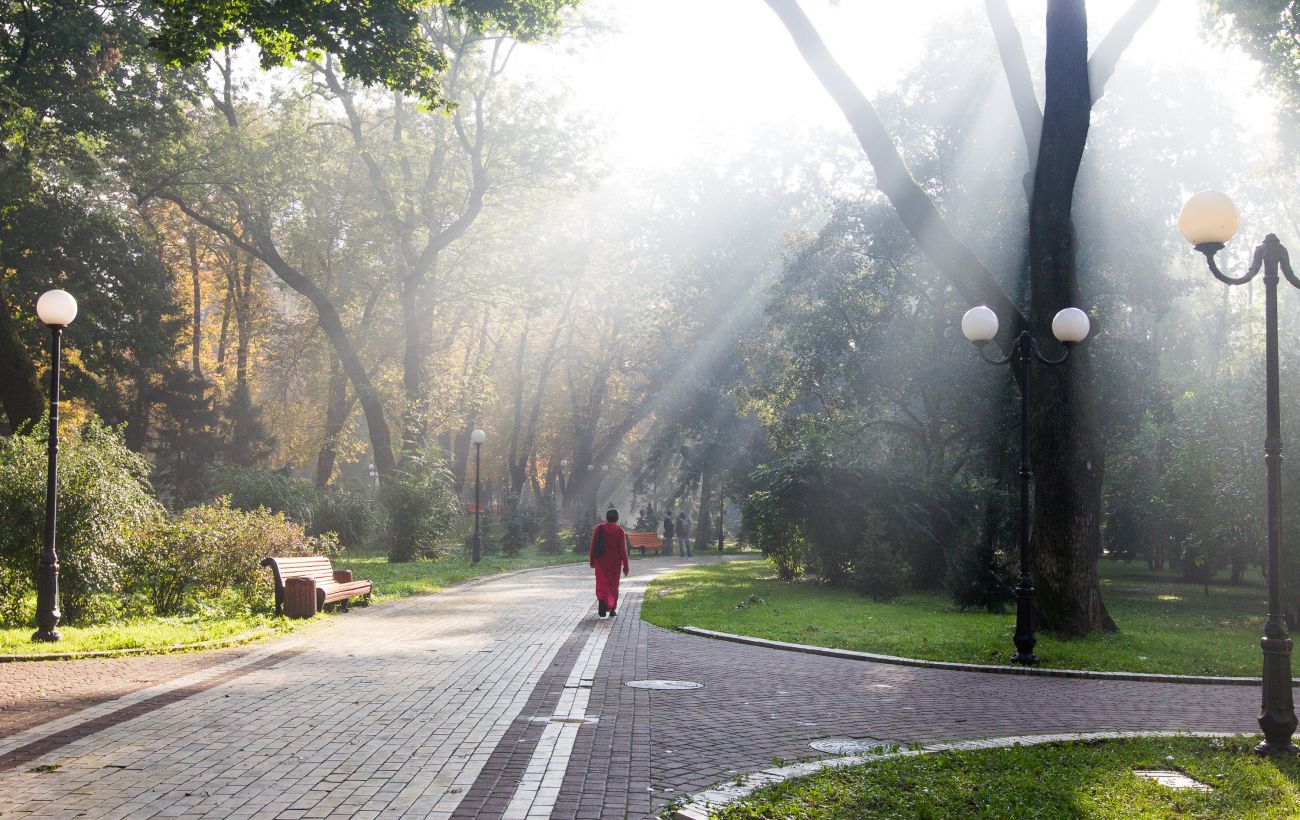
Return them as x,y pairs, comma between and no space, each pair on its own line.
644,541
321,572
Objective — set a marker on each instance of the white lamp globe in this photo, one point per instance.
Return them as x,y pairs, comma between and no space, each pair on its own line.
604,468
979,324
478,437
56,308
1208,217
564,463
591,467
1071,326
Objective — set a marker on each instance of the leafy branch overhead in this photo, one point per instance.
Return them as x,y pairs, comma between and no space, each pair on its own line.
377,42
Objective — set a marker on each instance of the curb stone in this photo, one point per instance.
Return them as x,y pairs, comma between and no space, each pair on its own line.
1033,671
699,806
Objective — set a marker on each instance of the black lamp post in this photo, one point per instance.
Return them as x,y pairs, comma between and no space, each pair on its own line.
1069,326
477,437
57,309
1209,219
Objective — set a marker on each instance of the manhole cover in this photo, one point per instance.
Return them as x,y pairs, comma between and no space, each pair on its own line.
1174,780
844,745
665,684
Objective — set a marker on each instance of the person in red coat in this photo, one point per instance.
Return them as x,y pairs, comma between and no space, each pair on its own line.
607,554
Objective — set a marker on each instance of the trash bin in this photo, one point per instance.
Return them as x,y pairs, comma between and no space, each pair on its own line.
299,597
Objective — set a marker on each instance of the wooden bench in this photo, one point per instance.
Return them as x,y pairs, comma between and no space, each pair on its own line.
644,541
314,583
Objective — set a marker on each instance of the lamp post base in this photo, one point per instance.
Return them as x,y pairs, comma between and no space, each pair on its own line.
1269,749
47,635
1026,658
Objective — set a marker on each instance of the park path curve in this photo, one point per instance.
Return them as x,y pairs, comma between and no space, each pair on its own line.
507,697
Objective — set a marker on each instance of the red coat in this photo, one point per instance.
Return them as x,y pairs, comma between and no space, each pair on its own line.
609,563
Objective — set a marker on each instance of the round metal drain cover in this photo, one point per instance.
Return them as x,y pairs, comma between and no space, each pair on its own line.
844,745
665,684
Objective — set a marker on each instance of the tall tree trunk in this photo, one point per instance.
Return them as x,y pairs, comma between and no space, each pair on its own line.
243,327
415,413
196,325
517,461
336,417
703,529
20,392
1066,541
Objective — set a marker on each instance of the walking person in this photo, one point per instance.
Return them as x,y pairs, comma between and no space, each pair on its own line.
683,531
668,532
608,554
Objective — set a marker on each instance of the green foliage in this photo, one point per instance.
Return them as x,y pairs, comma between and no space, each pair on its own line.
250,488
377,42
980,576
1092,779
878,573
549,542
105,510
647,520
515,535
349,513
212,548
419,505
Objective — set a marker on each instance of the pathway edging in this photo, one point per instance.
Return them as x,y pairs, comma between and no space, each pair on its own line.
698,806
1089,674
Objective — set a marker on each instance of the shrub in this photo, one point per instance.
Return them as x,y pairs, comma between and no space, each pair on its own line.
980,576
419,505
878,573
349,514
16,597
250,488
515,537
549,517
212,548
105,509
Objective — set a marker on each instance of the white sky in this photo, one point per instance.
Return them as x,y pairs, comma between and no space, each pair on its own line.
678,73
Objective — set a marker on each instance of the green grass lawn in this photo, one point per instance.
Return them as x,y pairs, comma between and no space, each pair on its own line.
1059,780
1166,625
391,581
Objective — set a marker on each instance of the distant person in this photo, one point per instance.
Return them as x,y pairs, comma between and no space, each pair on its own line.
683,530
607,554
668,532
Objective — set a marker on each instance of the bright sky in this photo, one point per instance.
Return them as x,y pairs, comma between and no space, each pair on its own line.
679,73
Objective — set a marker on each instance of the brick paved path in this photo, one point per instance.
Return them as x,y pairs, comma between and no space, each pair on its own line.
508,698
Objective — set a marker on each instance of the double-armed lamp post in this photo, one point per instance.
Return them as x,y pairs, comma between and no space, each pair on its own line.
1208,221
477,438
56,309
1070,326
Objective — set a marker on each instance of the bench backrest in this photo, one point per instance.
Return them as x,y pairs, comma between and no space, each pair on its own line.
642,539
317,568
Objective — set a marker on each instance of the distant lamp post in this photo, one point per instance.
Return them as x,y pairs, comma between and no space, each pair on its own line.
477,438
1070,326
374,475
57,309
1208,221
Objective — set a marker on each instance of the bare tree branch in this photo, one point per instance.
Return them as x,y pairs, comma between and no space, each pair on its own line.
1011,50
915,209
1106,56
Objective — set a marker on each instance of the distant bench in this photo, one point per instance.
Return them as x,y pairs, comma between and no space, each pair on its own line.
311,583
644,541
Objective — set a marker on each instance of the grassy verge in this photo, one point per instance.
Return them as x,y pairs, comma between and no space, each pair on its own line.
1166,626
391,581
1063,780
